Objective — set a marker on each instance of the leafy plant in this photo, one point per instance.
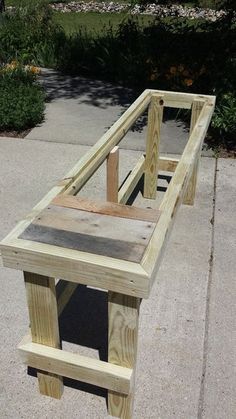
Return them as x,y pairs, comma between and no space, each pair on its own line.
21,99
224,121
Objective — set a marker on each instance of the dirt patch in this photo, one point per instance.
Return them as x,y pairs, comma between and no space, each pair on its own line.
15,134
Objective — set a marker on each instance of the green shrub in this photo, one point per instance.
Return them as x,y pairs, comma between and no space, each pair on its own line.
21,99
224,122
29,35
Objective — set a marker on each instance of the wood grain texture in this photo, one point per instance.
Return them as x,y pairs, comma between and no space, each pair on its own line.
94,270
155,114
131,182
77,367
113,248
167,164
113,175
123,312
99,152
42,305
191,190
174,194
107,208
65,295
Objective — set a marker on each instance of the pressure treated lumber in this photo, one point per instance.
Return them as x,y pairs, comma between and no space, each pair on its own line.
123,317
107,208
65,295
167,164
94,233
77,367
113,175
131,181
174,194
42,305
191,189
155,115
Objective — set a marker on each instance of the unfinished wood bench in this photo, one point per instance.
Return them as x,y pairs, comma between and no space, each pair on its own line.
108,245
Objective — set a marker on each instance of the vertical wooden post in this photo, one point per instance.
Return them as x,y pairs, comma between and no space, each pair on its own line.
113,175
191,189
122,346
42,305
155,115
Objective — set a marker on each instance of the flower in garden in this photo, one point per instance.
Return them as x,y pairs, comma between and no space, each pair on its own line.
188,82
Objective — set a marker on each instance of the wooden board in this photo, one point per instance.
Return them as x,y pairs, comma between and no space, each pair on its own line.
100,234
123,316
107,208
77,367
42,305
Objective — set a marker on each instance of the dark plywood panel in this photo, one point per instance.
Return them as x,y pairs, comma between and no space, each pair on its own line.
107,208
86,243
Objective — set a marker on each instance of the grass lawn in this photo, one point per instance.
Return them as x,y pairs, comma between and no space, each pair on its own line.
93,22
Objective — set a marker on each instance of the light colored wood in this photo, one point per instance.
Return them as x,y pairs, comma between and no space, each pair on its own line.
113,175
99,152
42,305
174,195
107,208
180,99
191,189
131,182
80,267
77,367
123,314
167,164
155,114
65,295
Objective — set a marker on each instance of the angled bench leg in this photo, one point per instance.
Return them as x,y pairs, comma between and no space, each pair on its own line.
123,314
42,305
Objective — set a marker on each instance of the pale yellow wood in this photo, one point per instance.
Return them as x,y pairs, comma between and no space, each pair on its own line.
77,367
113,175
174,195
191,189
42,305
181,100
98,153
155,115
167,164
131,181
106,208
65,296
123,312
80,267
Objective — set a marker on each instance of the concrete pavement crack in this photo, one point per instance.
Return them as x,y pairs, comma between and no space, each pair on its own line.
200,413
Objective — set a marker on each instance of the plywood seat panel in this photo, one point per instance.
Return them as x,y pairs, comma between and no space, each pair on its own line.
107,229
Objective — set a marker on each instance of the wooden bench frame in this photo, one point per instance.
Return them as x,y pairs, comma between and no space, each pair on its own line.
127,282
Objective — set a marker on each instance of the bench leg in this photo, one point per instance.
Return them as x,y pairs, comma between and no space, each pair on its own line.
42,305
191,190
123,312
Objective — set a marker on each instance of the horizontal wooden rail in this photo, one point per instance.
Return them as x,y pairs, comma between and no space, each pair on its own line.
167,164
179,99
77,367
98,153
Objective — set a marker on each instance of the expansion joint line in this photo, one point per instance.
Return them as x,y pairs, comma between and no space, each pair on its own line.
208,298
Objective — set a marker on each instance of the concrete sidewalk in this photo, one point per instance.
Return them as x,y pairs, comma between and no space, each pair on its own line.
81,110
186,355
